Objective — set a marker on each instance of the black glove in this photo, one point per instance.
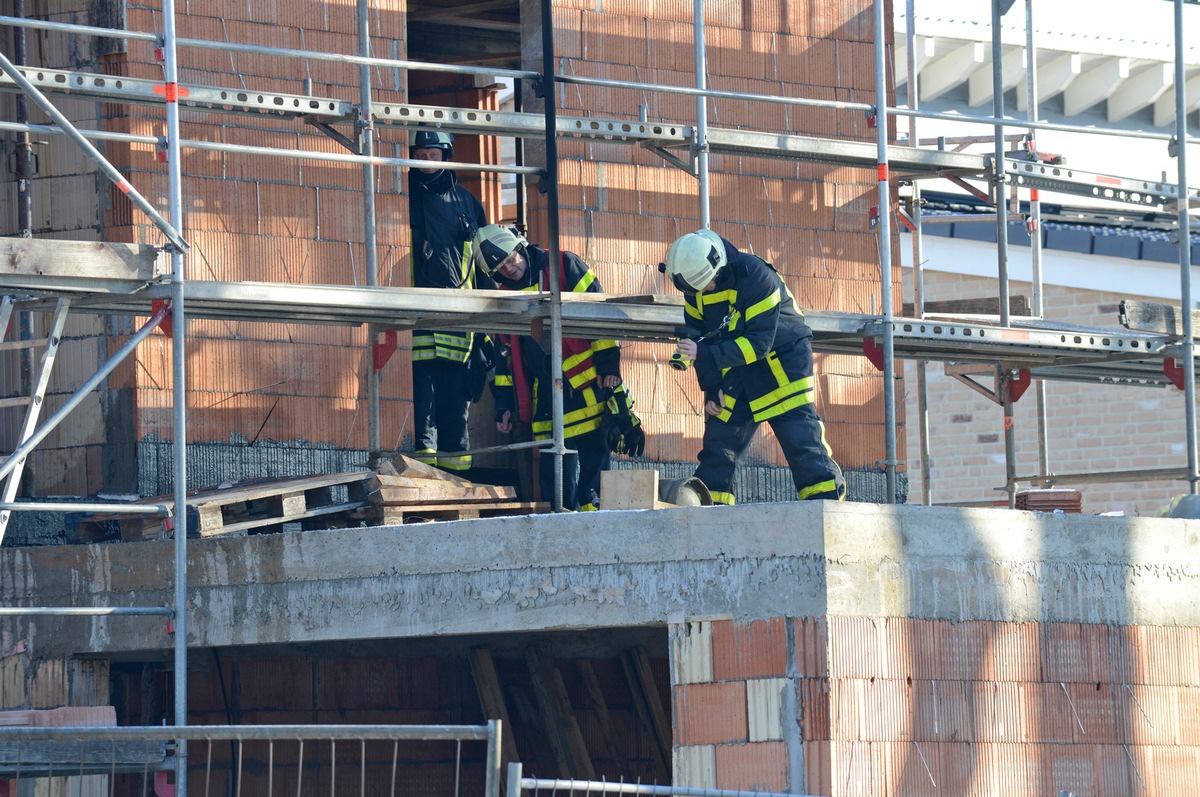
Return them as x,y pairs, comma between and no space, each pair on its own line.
625,433
633,440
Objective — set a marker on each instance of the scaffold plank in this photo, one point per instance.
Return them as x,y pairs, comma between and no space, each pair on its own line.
1059,351
32,259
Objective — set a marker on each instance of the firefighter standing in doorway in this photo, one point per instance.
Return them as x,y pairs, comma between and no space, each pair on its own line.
444,217
753,359
597,411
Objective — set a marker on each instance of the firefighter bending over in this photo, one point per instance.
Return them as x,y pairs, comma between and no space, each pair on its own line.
753,358
597,412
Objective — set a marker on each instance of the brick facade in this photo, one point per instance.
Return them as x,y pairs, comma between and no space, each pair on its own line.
873,706
1091,427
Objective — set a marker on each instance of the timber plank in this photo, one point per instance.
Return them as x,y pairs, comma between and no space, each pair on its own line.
40,257
491,699
562,730
1164,319
396,515
388,490
1017,305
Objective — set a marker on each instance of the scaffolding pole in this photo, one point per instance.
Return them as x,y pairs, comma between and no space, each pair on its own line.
701,151
885,256
552,223
1185,252
918,256
179,383
366,148
1035,240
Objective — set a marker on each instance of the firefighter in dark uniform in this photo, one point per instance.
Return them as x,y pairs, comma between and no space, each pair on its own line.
753,359
597,412
444,217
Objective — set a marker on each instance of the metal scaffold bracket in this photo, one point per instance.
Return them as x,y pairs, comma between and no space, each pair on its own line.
873,352
1016,383
1173,372
1029,174
382,350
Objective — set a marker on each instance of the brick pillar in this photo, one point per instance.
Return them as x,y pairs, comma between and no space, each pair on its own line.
742,709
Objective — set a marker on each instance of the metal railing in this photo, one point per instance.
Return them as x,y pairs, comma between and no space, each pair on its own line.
517,784
262,760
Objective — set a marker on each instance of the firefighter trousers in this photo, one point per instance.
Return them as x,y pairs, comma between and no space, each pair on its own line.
801,435
440,409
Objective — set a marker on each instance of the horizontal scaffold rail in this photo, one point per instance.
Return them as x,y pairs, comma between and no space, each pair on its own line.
1056,177
210,98
906,162
1112,356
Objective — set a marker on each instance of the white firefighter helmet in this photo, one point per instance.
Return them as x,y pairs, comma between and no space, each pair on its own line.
694,260
493,244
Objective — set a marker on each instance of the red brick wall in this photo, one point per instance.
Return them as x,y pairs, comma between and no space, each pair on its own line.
924,707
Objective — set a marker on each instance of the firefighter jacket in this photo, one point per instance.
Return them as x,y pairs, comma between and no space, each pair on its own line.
749,329
444,217
523,383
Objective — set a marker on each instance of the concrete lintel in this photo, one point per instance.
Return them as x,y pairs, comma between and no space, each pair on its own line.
615,569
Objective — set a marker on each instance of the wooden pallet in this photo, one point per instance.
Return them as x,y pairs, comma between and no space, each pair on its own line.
425,513
255,506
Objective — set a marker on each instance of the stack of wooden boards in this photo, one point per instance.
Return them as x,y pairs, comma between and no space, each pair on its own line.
399,491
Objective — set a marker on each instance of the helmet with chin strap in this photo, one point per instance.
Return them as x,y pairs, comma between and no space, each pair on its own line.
434,139
694,260
493,244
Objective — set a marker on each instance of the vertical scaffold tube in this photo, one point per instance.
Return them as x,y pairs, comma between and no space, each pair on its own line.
366,138
556,363
885,253
998,195
1185,252
179,371
701,56
1035,240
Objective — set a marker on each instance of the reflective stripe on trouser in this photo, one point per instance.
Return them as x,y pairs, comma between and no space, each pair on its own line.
581,471
440,409
801,436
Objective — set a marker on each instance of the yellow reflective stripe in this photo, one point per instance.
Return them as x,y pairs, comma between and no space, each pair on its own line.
716,297
722,498
726,408
427,456
828,486
601,345
588,508
576,359
455,463
583,377
825,443
747,350
587,279
800,400
424,354
577,422
784,390
763,306
504,380
694,312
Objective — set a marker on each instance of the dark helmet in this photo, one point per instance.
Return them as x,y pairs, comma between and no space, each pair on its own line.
425,139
